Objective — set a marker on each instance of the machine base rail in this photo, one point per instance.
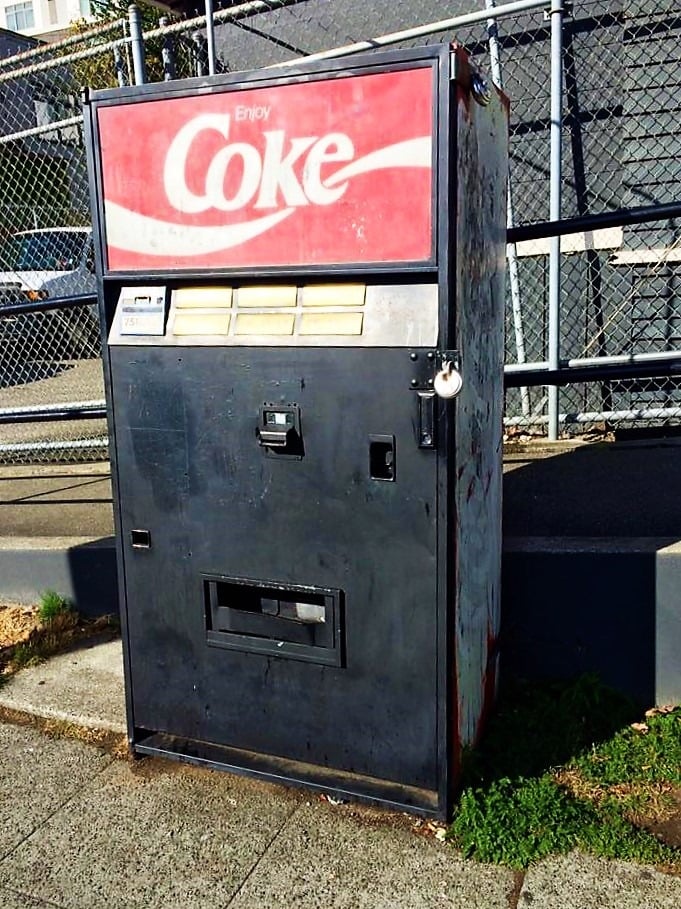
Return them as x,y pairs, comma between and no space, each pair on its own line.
336,783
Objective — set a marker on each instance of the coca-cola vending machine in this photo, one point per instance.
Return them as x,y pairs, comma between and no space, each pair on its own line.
301,282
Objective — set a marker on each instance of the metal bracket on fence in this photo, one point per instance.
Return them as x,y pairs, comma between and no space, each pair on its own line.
119,66
200,53
567,11
168,53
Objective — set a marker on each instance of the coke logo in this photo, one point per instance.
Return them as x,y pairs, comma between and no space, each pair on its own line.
272,175
266,177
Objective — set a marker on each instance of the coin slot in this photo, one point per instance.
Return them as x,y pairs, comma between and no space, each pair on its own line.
382,458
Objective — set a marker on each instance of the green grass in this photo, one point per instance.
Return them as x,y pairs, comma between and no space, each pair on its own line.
561,768
648,755
51,605
516,822
25,655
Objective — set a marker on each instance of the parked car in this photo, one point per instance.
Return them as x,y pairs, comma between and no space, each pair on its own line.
43,263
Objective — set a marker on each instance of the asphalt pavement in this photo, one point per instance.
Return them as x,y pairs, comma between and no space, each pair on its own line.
82,829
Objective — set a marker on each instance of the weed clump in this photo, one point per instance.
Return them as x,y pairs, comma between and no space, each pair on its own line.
564,766
52,604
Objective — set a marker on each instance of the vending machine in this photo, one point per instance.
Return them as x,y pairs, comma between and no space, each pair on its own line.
301,282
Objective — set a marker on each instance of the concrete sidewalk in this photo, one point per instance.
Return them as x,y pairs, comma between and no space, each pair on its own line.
79,828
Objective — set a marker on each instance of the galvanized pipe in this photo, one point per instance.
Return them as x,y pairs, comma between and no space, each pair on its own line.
651,413
48,408
137,44
31,306
200,54
246,10
39,51
67,412
420,31
511,252
76,445
556,177
210,37
571,375
664,356
44,128
621,217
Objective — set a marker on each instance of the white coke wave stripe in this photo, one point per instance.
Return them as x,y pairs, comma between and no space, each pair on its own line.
134,232
410,153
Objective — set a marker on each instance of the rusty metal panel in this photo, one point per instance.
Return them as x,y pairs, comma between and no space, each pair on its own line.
482,150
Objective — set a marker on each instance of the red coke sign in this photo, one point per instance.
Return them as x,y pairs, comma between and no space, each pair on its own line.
335,171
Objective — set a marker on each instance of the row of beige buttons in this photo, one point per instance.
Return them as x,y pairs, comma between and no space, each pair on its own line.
209,310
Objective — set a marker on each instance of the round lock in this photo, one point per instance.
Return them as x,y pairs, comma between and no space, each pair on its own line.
480,89
448,382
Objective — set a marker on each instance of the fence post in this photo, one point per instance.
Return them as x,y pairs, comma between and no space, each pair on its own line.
511,251
210,37
167,54
556,14
137,43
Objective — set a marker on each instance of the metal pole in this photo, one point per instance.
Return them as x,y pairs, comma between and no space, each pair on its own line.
137,43
511,252
210,37
600,416
420,31
621,217
557,11
78,445
527,369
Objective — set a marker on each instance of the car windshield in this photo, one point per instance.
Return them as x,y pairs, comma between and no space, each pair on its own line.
53,250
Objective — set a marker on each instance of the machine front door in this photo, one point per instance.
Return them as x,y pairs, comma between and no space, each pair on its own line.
287,602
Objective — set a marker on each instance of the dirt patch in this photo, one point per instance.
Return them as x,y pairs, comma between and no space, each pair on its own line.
665,824
16,623
661,811
25,640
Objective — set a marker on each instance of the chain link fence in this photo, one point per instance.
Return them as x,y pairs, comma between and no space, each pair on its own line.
620,149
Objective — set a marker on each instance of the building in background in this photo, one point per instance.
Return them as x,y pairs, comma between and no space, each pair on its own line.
11,43
47,20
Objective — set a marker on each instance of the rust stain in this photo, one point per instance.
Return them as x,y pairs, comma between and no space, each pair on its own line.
489,680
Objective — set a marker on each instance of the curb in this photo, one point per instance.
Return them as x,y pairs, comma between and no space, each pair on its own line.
79,568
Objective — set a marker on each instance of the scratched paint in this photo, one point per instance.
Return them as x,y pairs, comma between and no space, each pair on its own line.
481,227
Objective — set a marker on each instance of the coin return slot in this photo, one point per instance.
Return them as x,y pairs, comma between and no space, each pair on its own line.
294,622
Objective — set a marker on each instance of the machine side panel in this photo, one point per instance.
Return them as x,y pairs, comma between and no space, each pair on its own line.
480,265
